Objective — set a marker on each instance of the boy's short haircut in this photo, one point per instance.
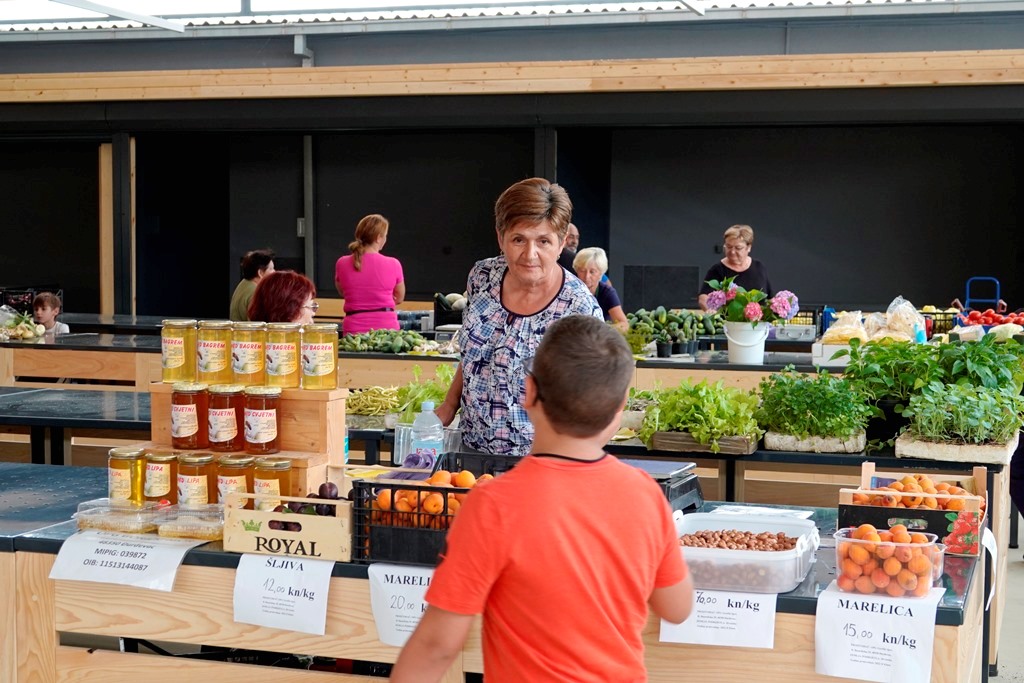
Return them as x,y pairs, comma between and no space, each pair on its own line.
254,261
582,370
46,299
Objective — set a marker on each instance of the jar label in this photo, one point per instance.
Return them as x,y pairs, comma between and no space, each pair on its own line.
212,355
267,487
260,425
318,359
192,489
246,357
184,421
172,352
227,484
282,359
223,427
119,484
158,480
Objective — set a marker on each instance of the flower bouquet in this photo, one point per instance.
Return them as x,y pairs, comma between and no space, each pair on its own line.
739,305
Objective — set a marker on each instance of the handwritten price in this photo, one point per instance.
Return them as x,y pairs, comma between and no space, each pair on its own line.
703,599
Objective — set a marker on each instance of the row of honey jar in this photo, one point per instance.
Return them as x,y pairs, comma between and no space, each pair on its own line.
226,417
286,355
189,479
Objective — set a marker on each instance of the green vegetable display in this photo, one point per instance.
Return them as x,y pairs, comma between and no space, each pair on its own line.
372,401
890,371
708,412
413,394
965,414
382,341
804,405
664,325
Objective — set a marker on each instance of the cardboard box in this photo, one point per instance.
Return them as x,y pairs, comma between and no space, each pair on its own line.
821,355
320,538
959,530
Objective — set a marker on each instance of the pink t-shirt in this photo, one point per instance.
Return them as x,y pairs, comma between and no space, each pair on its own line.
368,289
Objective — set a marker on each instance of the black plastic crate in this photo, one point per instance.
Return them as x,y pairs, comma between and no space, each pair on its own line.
477,463
445,317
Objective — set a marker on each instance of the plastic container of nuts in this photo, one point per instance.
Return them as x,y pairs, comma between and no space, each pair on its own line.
766,569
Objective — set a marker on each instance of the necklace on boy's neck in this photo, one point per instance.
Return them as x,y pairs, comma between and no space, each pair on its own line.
559,456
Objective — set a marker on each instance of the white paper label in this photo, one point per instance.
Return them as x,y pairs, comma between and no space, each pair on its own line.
875,637
283,592
184,421
246,357
260,425
158,479
318,360
172,352
119,484
227,484
127,559
222,425
726,618
397,599
282,359
267,487
212,355
193,489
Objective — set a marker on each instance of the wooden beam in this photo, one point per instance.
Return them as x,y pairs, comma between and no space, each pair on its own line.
106,220
955,68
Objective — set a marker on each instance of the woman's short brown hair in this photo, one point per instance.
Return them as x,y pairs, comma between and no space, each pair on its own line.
742,232
534,200
582,369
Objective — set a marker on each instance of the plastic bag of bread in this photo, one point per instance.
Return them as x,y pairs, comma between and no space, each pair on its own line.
902,316
873,322
887,336
847,326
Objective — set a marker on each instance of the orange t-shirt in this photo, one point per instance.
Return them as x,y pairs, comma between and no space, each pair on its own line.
561,558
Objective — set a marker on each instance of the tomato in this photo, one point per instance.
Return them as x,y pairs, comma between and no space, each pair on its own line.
974,316
988,311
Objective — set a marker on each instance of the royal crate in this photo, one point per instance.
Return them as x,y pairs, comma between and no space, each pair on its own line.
320,537
683,442
310,421
959,530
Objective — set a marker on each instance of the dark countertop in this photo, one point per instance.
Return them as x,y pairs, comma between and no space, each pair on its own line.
35,496
774,361
75,408
114,324
93,342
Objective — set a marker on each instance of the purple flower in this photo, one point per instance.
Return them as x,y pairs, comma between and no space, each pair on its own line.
716,300
752,311
785,304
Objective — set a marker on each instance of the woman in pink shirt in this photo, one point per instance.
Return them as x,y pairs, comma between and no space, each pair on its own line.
371,284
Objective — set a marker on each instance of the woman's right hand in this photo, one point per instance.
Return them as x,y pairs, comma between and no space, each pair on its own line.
450,405
446,413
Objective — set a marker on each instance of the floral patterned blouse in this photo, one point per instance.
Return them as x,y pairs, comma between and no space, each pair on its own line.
495,343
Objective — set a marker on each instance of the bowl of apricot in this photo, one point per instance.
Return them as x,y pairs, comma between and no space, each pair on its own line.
896,562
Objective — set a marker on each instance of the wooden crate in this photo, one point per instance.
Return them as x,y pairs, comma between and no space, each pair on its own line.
685,443
321,538
311,421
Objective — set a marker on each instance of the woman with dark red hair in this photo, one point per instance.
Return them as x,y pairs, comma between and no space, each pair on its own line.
284,296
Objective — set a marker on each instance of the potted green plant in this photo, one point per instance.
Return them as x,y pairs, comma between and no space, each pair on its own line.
819,413
636,406
663,343
640,334
702,418
962,423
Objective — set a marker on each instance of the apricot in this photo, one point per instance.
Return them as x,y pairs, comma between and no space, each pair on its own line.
895,590
920,565
922,589
464,479
918,538
907,580
845,583
880,578
884,552
863,584
851,569
859,532
440,477
859,554
903,553
892,566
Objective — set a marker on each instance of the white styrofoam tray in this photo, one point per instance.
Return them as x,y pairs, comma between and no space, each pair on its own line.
750,571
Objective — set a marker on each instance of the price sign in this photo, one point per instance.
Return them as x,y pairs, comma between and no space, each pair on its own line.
875,637
283,592
726,618
397,596
127,559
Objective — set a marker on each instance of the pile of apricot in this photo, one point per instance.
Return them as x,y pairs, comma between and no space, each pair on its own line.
420,506
915,491
896,562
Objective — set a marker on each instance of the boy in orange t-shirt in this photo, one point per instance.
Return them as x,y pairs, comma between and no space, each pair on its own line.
563,554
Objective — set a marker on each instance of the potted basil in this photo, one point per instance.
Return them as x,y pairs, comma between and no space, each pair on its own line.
812,413
962,423
702,418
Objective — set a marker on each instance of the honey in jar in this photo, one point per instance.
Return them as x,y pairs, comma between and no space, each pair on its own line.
190,405
248,353
213,351
125,467
283,355
273,477
227,405
178,351
319,356
262,420
235,473
161,480
197,479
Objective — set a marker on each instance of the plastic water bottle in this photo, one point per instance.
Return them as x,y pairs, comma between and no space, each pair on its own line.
427,437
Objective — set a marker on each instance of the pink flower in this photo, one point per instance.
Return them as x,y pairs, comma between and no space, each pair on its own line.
731,294
780,307
716,300
785,304
752,311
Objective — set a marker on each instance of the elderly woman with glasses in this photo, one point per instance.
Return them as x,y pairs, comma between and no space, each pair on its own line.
284,296
749,273
371,283
590,265
512,300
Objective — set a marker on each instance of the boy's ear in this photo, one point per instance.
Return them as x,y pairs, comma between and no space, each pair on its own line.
530,399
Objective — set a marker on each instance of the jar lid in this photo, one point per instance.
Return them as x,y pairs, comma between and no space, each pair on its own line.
237,460
263,391
126,452
161,456
274,463
216,324
283,327
188,387
195,458
249,326
322,327
187,322
226,388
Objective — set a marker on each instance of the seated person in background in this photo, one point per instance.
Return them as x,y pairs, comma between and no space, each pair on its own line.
591,264
572,243
46,307
564,586
749,273
255,266
284,296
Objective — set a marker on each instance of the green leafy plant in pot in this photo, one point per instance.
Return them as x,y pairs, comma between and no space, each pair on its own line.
708,412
